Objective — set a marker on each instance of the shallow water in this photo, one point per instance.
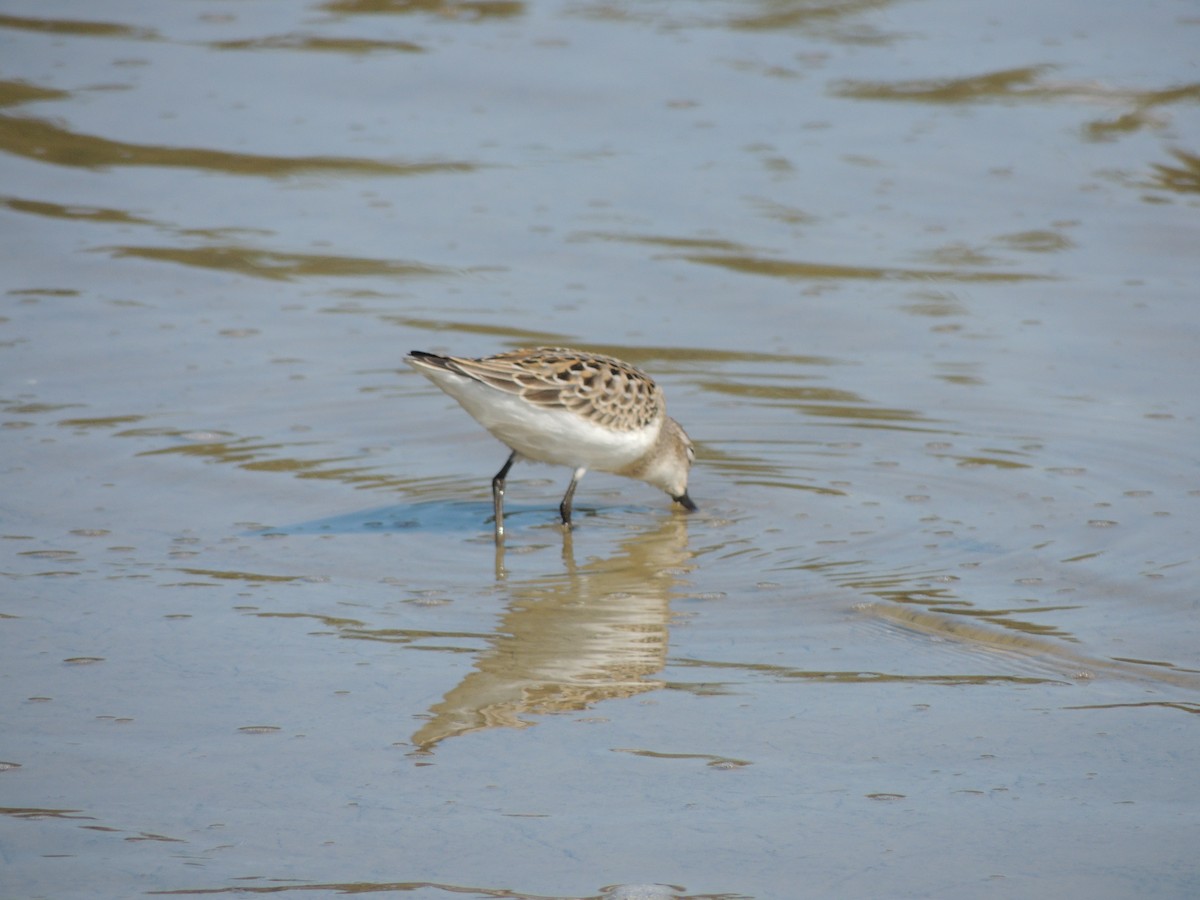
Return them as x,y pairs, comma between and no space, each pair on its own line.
918,279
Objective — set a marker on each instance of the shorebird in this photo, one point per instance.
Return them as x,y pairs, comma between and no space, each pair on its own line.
568,408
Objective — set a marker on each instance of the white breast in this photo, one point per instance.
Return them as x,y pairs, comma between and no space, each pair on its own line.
550,435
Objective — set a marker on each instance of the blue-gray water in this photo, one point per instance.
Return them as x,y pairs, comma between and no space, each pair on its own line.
919,279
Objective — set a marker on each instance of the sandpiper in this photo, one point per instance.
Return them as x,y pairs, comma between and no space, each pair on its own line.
569,408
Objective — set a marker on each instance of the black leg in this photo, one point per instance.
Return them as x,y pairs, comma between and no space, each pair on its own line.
564,508
498,493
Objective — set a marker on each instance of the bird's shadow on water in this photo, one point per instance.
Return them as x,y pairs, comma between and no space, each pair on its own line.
434,516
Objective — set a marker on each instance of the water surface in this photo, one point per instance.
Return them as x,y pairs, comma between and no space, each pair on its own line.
919,280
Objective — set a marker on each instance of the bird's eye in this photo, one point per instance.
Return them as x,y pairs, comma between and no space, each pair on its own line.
691,454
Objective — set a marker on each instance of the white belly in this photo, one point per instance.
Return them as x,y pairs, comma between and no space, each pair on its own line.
556,436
